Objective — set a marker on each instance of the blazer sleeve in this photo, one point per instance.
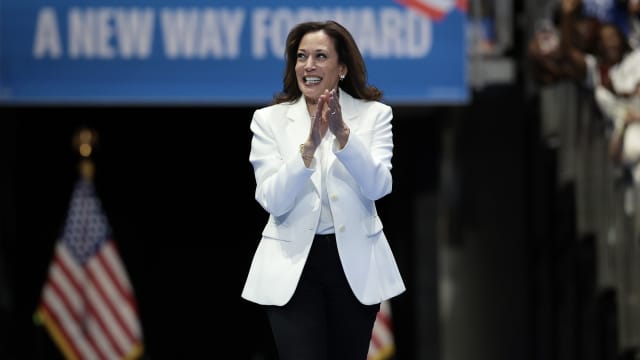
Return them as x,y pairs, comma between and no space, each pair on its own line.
279,175
367,155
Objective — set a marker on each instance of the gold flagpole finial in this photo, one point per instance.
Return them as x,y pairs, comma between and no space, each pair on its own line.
84,141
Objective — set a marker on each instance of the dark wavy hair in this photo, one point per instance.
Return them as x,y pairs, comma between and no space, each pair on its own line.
355,83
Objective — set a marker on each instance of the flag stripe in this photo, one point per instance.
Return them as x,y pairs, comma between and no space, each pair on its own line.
68,326
127,303
60,338
110,255
102,281
70,269
76,313
106,318
101,342
60,281
111,280
82,309
382,344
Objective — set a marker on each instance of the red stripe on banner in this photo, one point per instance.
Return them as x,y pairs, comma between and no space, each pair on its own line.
463,5
430,11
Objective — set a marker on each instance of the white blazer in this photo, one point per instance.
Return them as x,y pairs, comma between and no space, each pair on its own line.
357,175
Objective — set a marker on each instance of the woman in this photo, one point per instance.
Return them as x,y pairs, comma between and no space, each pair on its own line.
321,155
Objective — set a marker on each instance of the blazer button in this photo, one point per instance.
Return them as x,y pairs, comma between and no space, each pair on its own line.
334,197
341,228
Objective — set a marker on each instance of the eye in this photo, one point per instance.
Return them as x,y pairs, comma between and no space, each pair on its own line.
301,56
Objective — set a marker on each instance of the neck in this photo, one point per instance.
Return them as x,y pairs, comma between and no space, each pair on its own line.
312,104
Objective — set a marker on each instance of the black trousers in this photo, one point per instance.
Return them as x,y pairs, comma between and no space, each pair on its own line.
323,320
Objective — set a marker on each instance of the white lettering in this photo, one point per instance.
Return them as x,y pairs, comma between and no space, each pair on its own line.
392,22
104,33
419,33
216,33
190,33
179,28
381,33
366,32
89,33
259,27
220,33
134,31
47,35
269,31
282,20
107,33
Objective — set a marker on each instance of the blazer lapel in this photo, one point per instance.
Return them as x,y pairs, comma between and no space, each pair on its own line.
348,107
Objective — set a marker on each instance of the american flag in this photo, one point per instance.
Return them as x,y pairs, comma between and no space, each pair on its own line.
382,345
87,304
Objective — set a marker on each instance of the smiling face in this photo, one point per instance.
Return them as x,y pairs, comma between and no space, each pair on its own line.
317,66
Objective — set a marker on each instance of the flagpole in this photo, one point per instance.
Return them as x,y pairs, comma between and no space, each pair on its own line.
84,141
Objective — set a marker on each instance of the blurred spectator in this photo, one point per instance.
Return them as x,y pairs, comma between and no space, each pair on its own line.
566,31
625,139
612,49
571,27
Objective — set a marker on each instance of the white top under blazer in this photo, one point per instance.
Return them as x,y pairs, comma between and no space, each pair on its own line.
357,176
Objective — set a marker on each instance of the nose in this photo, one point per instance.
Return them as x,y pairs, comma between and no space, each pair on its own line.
309,64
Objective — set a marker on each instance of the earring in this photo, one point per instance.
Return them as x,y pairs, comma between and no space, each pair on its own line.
341,77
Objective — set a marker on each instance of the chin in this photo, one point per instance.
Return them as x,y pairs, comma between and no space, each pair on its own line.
311,93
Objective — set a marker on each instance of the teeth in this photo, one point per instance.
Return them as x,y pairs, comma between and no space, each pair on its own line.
312,79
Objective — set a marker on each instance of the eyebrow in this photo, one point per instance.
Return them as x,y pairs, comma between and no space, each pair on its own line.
316,50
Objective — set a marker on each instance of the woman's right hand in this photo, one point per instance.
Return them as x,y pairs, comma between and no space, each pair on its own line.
319,125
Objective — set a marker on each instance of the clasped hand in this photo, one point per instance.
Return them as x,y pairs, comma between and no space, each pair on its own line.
328,117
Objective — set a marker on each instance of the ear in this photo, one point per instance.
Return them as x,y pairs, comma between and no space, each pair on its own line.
343,72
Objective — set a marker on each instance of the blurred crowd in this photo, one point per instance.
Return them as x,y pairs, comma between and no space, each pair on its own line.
584,56
599,47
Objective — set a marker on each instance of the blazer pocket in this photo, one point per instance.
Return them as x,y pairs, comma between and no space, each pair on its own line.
277,231
372,225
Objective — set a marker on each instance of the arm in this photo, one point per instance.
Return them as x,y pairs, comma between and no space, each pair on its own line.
369,163
280,177
616,142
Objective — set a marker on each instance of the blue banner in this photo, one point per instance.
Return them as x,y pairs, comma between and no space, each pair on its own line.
217,52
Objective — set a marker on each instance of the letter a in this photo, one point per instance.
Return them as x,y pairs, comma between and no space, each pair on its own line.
47,36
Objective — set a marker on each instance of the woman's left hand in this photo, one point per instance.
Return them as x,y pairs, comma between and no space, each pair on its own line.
333,115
